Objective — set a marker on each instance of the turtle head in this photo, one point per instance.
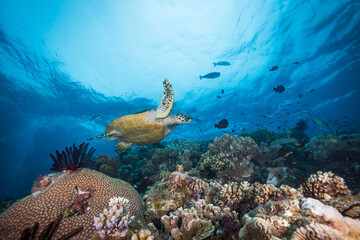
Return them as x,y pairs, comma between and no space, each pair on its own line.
182,118
174,120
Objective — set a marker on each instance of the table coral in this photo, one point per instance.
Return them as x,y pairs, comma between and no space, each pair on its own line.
45,206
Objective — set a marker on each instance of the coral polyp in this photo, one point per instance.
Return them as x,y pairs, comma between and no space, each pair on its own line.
72,158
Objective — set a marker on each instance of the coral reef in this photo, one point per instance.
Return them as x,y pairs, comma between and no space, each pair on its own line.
73,159
107,164
294,219
192,226
245,196
49,231
322,185
172,193
44,206
331,148
115,220
230,156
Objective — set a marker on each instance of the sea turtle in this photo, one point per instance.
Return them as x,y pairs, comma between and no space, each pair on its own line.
145,128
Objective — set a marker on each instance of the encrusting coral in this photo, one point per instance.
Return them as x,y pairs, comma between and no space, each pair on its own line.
230,156
45,206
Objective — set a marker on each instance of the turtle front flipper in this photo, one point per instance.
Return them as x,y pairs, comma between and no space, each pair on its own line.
121,147
113,135
167,101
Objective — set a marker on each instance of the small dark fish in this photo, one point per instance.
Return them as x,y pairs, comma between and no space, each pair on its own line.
222,63
218,96
222,124
274,68
222,91
232,130
300,95
210,75
295,62
279,89
95,117
312,90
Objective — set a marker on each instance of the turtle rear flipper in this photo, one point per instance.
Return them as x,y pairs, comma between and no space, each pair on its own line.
113,135
167,101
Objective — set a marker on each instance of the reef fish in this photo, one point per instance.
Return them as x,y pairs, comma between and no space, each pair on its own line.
274,68
277,176
279,89
323,125
210,75
222,63
222,124
95,117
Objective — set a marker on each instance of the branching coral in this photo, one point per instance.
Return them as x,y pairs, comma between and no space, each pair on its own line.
321,185
72,159
45,206
231,156
115,221
245,196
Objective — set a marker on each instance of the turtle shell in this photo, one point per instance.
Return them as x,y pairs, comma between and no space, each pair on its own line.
137,129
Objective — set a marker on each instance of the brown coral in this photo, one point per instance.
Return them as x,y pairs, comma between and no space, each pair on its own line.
192,226
44,207
321,185
231,156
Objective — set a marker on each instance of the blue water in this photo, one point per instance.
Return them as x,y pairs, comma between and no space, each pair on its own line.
63,62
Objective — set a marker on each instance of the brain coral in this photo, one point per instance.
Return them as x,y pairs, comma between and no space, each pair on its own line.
44,206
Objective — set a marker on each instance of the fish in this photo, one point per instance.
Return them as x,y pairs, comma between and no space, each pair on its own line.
210,75
277,175
218,96
300,95
333,139
288,154
274,68
297,144
279,89
295,62
307,149
95,117
323,125
312,90
222,63
222,124
293,163
278,114
222,91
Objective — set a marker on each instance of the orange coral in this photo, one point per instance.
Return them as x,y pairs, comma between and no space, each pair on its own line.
44,206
